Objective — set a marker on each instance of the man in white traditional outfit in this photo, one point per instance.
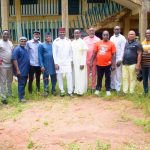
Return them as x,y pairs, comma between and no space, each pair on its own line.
116,75
79,49
62,54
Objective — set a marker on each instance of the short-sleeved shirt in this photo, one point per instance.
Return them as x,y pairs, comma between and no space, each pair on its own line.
146,54
131,52
6,53
21,55
105,51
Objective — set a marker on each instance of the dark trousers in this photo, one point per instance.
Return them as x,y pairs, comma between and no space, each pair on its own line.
101,70
37,71
146,77
22,80
46,82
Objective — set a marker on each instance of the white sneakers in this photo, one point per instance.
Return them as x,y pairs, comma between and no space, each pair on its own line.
108,93
97,92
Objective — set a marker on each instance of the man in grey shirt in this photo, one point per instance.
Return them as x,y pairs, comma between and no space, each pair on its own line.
6,75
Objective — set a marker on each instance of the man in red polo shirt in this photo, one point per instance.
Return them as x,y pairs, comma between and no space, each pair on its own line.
104,52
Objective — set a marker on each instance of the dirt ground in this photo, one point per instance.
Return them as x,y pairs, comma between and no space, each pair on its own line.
81,121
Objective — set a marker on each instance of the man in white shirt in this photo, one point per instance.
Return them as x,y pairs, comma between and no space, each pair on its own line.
116,75
62,54
6,74
32,47
79,49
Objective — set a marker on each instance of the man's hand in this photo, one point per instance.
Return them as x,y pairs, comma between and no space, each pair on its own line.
81,67
72,64
42,69
56,66
137,68
91,65
118,63
113,67
1,61
18,73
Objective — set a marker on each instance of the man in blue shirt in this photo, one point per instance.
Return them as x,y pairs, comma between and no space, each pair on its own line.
21,64
46,62
32,47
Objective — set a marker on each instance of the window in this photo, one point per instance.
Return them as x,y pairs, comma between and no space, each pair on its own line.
73,7
23,2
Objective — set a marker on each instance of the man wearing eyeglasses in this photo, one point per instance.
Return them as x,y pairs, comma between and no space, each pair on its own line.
21,62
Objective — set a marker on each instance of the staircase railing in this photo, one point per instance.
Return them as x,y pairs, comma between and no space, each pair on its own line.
96,14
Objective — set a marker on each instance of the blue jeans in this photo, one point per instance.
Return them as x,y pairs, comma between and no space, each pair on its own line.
146,77
22,80
46,81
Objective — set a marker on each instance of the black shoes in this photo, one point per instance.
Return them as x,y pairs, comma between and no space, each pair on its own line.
54,93
4,101
71,95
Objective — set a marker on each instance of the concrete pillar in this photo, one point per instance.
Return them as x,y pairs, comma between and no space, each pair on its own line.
84,6
126,24
64,12
18,17
5,14
143,18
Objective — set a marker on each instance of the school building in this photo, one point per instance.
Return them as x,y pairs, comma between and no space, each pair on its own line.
22,17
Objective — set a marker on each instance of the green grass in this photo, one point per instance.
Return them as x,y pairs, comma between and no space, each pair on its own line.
140,101
102,146
45,123
14,109
73,146
131,146
98,145
30,144
144,123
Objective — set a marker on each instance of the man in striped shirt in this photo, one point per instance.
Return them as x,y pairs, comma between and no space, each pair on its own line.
146,61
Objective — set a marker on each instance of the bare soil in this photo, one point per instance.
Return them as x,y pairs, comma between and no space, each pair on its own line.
54,124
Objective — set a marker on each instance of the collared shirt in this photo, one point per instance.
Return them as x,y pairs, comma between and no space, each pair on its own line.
6,53
131,52
90,43
46,57
119,42
146,53
21,55
32,48
62,54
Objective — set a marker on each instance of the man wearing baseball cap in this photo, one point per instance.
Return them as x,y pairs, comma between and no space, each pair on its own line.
32,47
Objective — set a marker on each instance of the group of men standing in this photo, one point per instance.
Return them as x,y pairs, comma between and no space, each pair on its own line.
84,62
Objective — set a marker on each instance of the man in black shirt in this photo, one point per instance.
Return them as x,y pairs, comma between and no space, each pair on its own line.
131,62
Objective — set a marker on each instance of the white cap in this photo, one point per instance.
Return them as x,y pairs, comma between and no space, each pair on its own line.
22,38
